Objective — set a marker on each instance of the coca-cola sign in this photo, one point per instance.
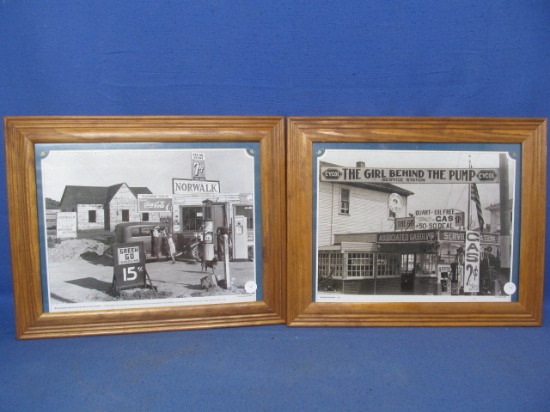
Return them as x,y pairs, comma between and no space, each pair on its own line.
154,203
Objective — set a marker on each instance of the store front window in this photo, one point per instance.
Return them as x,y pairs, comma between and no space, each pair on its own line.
191,217
421,263
360,265
330,264
388,265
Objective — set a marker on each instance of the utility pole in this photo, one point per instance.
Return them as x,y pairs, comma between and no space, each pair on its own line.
504,213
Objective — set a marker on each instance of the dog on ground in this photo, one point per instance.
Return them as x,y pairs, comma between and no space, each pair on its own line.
205,264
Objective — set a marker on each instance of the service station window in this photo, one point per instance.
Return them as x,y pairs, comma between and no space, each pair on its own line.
92,216
125,215
191,217
145,217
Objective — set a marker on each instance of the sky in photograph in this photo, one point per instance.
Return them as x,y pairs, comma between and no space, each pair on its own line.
430,196
148,167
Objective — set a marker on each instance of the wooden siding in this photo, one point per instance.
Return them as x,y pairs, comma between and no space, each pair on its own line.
368,212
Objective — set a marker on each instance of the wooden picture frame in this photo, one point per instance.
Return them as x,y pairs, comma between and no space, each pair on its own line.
262,138
334,256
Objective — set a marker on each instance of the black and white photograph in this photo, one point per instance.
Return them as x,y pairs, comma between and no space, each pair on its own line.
147,225
415,225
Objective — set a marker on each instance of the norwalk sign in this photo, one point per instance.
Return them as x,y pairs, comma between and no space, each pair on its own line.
407,176
185,186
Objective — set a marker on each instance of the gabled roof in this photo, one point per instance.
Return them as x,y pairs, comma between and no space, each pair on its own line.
140,191
84,195
112,191
96,194
379,187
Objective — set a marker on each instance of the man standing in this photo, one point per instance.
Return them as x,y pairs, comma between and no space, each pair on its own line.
155,242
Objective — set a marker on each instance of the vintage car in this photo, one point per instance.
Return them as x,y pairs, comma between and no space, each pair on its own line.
130,232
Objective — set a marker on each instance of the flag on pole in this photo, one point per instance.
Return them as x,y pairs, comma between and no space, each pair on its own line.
474,195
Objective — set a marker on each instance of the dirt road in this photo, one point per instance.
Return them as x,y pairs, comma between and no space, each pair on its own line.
88,276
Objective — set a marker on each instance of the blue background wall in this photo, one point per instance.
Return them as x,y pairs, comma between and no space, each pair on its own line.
412,58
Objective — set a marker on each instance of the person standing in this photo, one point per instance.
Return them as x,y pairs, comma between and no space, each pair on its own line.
155,242
163,242
171,247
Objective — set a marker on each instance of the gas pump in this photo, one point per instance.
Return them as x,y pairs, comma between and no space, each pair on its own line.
240,238
208,231
457,271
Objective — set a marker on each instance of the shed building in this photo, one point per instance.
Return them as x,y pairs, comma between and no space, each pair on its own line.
100,207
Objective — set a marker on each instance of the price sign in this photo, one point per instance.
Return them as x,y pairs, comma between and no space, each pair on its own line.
129,266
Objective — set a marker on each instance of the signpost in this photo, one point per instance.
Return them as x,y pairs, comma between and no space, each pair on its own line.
129,267
66,225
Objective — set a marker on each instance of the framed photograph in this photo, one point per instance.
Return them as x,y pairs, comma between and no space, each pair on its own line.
415,221
141,224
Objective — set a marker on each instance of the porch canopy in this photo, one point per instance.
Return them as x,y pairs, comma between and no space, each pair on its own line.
406,242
